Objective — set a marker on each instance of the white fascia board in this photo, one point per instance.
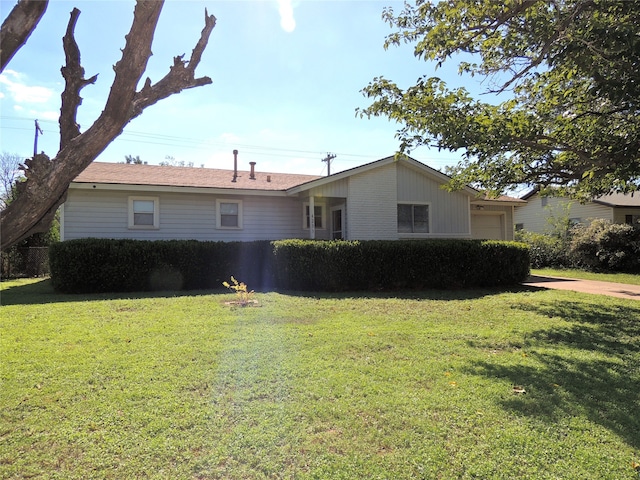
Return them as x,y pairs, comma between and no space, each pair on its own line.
174,189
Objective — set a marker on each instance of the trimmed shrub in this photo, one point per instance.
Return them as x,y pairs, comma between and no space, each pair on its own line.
105,265
546,250
603,246
367,265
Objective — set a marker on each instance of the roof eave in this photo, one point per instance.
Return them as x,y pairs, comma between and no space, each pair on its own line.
172,189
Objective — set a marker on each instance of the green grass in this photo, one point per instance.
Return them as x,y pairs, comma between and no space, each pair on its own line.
403,386
602,277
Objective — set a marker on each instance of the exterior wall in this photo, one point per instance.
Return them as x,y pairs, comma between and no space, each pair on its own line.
449,211
104,214
534,217
619,214
371,207
338,188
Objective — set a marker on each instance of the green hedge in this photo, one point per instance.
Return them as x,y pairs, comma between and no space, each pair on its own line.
365,265
105,265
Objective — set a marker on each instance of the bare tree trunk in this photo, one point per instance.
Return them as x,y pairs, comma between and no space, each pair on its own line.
47,180
17,27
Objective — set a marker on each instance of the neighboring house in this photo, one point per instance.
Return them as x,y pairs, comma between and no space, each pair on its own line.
389,199
536,214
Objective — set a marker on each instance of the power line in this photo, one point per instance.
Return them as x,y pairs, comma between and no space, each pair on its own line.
199,144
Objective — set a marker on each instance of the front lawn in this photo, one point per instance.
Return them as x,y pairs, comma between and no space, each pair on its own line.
527,384
575,273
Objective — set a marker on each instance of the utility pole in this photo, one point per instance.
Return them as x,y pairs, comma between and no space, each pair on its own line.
328,158
35,141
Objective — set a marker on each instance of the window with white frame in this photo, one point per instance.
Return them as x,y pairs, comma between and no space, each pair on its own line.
228,213
318,215
144,212
413,218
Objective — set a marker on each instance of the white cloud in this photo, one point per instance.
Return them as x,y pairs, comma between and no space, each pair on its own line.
20,92
45,115
287,22
229,137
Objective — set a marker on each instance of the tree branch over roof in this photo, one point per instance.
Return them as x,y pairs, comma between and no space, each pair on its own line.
47,180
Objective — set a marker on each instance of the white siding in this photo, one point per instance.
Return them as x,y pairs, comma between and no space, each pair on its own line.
371,207
338,188
103,214
449,211
535,218
621,213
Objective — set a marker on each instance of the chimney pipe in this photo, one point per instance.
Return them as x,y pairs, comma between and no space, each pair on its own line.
252,175
235,165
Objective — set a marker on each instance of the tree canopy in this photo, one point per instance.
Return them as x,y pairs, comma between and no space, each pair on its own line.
570,70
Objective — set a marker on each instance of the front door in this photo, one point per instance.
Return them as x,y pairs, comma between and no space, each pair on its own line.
337,223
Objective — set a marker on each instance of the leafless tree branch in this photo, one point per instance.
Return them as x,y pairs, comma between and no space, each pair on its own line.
18,26
73,74
47,180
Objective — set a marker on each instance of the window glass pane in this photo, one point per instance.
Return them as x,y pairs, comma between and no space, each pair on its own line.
228,209
143,206
143,218
404,218
421,219
228,220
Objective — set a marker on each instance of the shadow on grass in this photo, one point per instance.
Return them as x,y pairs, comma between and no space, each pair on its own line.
42,292
589,367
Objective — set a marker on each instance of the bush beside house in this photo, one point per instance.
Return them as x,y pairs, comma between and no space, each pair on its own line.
106,265
605,247
600,246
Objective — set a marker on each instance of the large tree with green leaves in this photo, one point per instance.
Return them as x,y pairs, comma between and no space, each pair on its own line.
570,70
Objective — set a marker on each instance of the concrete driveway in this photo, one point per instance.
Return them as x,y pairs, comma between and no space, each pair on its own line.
620,290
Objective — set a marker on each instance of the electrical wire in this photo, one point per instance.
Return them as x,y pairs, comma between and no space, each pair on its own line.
149,138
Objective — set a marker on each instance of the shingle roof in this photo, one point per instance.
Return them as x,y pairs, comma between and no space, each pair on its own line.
501,198
131,174
620,200
611,200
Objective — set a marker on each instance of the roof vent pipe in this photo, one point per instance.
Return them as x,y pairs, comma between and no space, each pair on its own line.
252,175
235,165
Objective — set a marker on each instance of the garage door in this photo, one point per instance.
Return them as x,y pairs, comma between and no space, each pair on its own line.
487,227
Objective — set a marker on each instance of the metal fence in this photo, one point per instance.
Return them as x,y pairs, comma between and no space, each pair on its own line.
24,262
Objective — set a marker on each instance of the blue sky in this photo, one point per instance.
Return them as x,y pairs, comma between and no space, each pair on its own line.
286,82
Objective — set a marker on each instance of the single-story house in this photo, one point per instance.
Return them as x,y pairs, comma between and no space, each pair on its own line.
535,214
389,199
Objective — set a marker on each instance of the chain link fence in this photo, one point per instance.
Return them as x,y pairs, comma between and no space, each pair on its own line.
24,262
